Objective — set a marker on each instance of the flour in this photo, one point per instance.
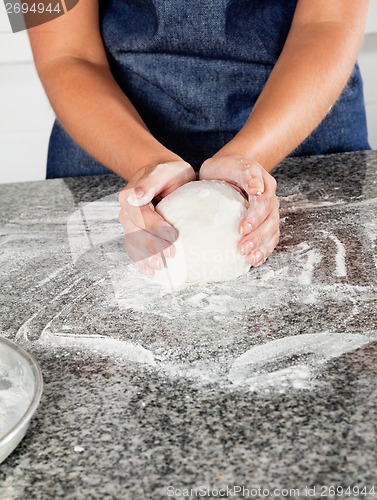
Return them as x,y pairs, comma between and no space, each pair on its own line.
312,257
272,329
295,377
282,278
251,368
340,257
14,400
101,345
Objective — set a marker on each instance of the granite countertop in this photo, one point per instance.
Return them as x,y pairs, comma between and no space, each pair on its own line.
268,381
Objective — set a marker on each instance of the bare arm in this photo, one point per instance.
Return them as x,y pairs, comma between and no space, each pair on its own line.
72,65
309,76
313,69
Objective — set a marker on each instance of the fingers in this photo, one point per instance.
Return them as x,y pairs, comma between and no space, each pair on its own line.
146,250
148,219
257,258
156,180
252,179
145,217
259,210
260,228
148,237
246,173
260,243
142,245
260,206
148,267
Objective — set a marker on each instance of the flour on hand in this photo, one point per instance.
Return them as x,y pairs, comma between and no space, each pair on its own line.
207,215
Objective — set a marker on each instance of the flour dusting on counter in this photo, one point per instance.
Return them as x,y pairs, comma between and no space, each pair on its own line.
233,334
303,352
101,345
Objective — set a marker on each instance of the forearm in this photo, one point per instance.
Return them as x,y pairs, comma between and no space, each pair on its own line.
308,78
99,117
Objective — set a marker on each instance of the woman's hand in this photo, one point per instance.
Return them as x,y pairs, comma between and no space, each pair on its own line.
259,230
148,237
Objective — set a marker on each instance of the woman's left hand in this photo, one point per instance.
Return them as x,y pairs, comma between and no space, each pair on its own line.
259,230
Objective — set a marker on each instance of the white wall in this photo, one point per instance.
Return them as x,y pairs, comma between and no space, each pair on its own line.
25,114
26,117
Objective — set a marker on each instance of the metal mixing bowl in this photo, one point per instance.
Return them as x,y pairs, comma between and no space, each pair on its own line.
21,386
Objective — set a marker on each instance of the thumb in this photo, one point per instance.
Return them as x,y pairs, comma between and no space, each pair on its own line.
142,193
138,197
154,182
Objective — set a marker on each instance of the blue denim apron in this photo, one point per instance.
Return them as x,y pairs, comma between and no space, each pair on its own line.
194,70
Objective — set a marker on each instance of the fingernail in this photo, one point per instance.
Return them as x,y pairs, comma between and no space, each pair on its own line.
170,251
136,197
245,228
160,264
246,248
258,256
136,202
169,234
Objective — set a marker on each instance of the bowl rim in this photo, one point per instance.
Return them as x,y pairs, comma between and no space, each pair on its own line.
29,412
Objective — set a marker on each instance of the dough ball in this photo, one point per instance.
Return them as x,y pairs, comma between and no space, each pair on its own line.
206,215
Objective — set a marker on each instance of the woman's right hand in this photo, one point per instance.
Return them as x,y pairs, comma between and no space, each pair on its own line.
147,235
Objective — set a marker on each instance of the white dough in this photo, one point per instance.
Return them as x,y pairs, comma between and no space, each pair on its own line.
206,215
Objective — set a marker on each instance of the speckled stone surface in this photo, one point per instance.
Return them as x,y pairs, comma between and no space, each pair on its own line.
265,382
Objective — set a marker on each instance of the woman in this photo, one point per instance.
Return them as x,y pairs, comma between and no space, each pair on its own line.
152,90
